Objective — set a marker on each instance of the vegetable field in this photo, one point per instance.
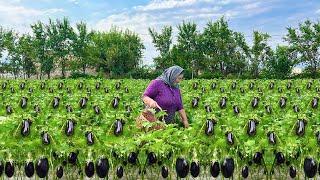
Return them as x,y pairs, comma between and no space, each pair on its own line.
255,129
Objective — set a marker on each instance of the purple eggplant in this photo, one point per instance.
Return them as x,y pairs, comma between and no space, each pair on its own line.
59,172
164,172
227,167
245,171
69,130
195,169
314,102
272,138
182,167
83,102
118,127
209,130
90,138
223,102
45,138
310,167
23,102
25,129
55,102
42,167
9,169
300,127
89,169
102,167
252,127
29,169
229,138
215,169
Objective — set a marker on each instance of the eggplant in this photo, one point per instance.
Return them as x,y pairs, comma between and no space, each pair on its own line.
9,109
296,108
245,171
289,85
1,168
25,129
234,85
69,130
229,138
83,102
30,90
132,158
50,90
151,158
272,138
215,169
45,138
72,158
195,102
279,90
59,172
213,86
23,102
102,167
42,167
208,108
255,102
203,89
182,167
98,85
252,128
106,90
55,102
280,159
310,167
227,167
118,127
60,85
318,137
126,89
223,102
268,109
89,169
9,169
300,127
251,85
164,172
195,85
69,90
96,109
222,89
242,90
292,172
90,138
22,85
314,102
115,102
282,102
271,85
210,127
120,172
257,158
118,85
309,85
37,108
42,85
69,108
4,85
236,109
195,169
80,85
298,90
29,169
12,90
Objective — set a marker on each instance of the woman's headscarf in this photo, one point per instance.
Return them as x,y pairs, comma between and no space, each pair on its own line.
170,75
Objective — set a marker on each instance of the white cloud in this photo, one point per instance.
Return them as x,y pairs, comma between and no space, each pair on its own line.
318,11
14,15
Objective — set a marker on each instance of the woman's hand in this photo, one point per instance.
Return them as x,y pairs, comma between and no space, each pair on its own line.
150,102
184,118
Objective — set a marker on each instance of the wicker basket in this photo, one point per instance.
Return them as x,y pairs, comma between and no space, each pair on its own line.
147,115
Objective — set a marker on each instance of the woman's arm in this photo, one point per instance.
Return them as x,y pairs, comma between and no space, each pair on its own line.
150,102
184,118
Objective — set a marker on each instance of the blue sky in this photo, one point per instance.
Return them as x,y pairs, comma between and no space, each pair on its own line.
272,16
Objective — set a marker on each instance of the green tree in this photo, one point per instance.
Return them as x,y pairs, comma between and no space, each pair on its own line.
27,54
163,42
305,40
43,54
82,46
13,61
260,52
281,63
60,38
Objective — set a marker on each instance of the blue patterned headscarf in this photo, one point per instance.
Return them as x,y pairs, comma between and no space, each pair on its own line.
170,75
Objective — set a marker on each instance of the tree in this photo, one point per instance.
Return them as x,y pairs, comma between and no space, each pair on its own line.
117,52
43,52
162,41
82,47
60,38
305,40
260,52
13,61
27,54
281,63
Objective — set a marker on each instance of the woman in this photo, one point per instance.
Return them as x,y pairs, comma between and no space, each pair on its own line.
163,93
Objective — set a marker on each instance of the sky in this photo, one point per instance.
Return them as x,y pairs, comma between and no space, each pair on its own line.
271,16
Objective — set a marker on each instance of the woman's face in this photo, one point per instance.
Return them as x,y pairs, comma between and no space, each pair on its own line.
179,79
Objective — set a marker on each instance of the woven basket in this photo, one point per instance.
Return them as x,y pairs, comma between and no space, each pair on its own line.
147,115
